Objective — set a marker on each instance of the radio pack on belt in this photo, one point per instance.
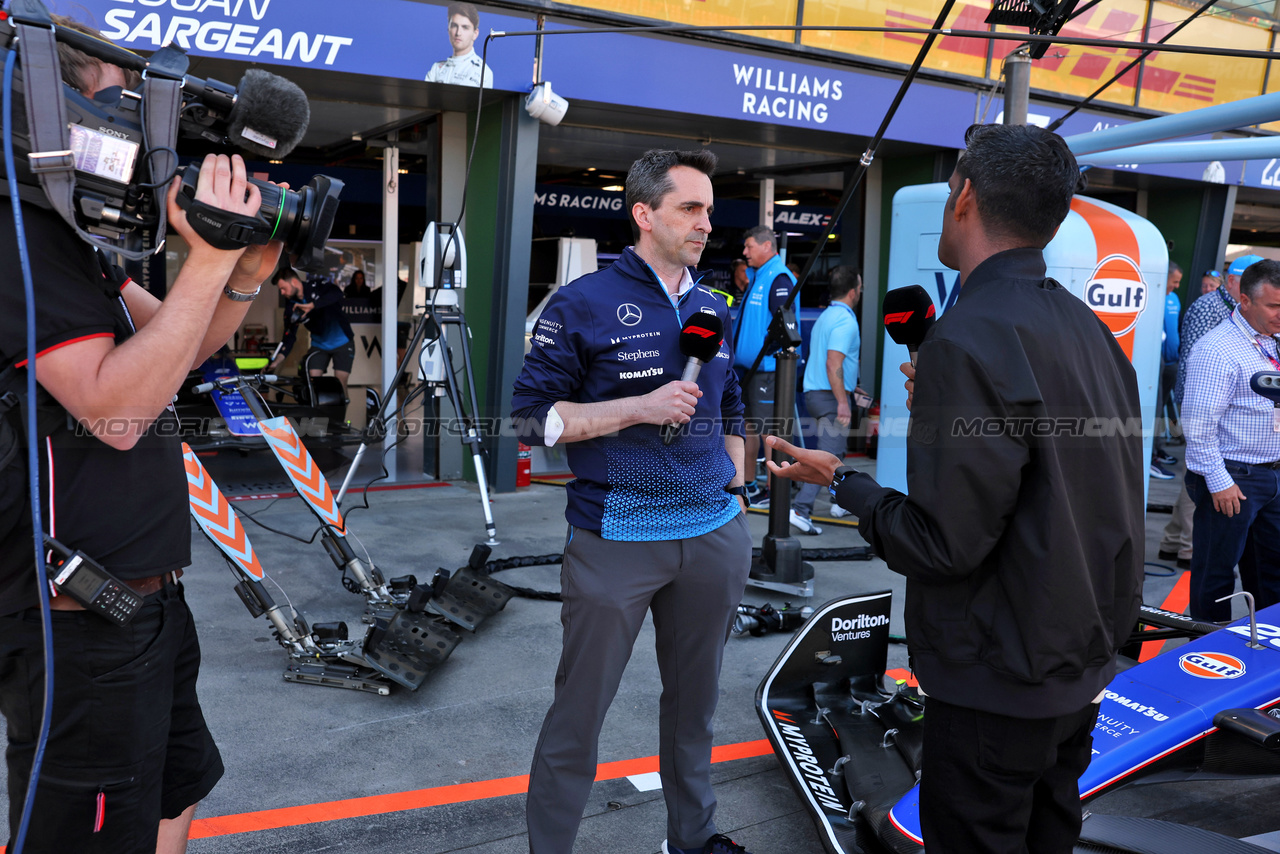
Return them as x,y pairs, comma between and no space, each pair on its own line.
73,572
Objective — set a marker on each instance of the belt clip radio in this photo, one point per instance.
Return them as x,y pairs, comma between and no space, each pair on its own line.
84,580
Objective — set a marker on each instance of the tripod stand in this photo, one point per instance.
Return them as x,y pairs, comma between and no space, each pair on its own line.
436,365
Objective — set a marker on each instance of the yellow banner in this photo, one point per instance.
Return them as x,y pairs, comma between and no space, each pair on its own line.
959,56
1171,83
1273,85
1176,82
706,13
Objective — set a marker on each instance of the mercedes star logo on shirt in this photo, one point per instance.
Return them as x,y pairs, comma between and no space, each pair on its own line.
629,314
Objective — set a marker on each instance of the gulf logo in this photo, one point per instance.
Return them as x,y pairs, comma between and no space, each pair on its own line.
1212,665
1116,291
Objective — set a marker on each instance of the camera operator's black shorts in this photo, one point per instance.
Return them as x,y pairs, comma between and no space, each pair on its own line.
128,744
343,358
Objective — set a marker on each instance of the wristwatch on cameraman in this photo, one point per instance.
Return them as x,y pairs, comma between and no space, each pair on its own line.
741,492
241,296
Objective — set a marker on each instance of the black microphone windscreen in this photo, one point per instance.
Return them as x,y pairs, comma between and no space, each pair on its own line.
700,336
908,314
270,116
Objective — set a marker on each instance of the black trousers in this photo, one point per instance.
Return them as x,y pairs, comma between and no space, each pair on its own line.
994,784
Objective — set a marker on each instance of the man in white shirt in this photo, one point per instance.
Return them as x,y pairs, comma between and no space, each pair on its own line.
465,67
1233,450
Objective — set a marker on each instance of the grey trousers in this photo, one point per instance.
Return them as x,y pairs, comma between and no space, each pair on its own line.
1177,534
693,587
833,437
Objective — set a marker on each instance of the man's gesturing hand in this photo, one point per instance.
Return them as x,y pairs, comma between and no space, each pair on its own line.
673,403
811,466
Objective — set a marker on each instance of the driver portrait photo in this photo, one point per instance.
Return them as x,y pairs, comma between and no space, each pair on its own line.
464,67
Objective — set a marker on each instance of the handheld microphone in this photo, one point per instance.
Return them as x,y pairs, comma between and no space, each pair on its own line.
700,339
908,314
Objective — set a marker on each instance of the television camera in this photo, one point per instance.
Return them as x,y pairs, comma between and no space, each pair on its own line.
104,162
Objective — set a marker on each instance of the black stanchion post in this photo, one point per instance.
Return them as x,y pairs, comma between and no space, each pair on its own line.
779,566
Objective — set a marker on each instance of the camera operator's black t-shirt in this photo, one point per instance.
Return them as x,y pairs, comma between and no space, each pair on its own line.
125,509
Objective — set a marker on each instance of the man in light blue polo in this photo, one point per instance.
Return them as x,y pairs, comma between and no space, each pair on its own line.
830,376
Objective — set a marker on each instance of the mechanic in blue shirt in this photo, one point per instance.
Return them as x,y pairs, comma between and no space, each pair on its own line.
830,377
1172,313
652,527
1168,367
769,285
1233,449
318,305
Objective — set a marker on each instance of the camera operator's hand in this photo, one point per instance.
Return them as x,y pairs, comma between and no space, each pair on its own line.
304,307
257,263
223,184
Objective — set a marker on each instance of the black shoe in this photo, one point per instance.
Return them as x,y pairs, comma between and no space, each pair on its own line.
718,844
1167,554
1184,563
1164,458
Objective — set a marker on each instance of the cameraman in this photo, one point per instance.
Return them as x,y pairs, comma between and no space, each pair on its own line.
317,303
129,755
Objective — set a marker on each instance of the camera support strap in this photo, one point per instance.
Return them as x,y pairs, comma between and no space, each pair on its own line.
51,157
161,104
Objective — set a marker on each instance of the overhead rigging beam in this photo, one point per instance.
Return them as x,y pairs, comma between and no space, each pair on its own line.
1199,151
1237,114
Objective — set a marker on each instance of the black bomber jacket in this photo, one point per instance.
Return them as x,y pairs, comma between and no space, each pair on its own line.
1022,538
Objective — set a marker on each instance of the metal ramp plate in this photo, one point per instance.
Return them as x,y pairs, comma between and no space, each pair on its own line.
405,647
480,592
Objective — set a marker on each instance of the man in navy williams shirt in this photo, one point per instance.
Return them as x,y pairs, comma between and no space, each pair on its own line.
652,527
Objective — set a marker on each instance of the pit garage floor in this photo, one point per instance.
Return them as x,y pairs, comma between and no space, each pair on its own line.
313,769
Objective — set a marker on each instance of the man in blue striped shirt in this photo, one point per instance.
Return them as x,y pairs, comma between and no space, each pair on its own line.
1233,448
1210,309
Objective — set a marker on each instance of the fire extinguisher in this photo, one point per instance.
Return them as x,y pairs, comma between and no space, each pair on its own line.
524,465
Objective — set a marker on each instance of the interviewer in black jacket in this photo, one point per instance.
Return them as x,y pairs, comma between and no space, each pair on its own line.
1022,538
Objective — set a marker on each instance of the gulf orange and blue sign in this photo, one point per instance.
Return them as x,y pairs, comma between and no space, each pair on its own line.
1212,665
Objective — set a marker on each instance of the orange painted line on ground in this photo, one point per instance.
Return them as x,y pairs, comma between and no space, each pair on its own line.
203,828
1177,601
903,674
